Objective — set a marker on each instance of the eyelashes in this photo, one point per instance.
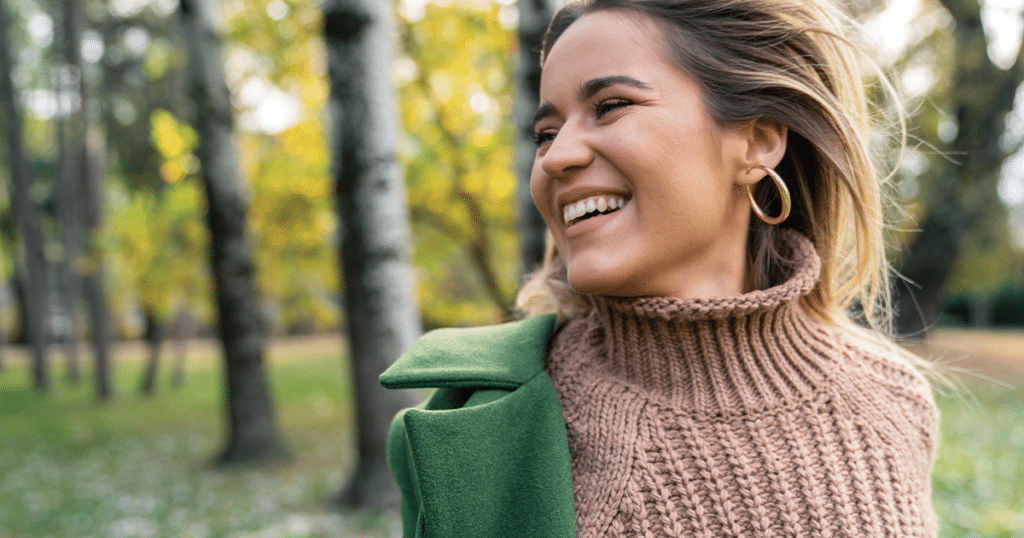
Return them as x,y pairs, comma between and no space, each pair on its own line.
600,110
542,137
608,105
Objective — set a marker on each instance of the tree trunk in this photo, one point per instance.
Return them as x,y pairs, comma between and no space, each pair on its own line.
67,281
68,195
981,311
981,94
92,268
383,319
534,16
928,264
252,434
19,336
154,338
94,293
25,212
3,345
79,206
93,275
183,324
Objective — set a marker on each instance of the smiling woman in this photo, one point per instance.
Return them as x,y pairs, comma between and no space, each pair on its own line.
690,364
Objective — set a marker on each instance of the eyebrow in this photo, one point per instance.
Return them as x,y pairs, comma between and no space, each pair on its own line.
588,89
591,87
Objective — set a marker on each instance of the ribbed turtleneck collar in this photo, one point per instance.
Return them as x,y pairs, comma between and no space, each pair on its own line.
724,356
803,275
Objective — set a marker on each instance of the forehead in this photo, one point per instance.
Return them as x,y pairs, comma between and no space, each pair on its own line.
607,42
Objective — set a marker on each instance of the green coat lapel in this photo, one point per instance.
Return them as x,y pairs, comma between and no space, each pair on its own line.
498,356
487,454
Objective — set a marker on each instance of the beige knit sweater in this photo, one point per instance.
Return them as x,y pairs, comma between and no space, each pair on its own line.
741,417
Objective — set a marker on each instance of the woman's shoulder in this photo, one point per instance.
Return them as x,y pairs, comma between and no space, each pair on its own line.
880,372
884,360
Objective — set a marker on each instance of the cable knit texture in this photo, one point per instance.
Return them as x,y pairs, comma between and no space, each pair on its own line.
741,416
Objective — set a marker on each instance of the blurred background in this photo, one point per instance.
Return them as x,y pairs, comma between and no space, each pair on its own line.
203,199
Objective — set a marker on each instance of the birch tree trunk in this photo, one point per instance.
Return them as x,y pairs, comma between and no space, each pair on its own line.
252,429
534,16
382,313
26,216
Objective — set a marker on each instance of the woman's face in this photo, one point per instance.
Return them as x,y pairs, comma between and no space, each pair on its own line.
625,141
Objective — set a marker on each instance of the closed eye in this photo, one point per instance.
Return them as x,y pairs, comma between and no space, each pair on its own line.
608,105
543,137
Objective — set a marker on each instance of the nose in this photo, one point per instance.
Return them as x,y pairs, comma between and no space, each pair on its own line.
568,152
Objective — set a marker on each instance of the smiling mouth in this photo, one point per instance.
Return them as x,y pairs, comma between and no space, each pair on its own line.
592,207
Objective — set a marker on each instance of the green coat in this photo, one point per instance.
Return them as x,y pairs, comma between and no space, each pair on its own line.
487,454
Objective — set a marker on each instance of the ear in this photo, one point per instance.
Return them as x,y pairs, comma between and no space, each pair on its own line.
762,143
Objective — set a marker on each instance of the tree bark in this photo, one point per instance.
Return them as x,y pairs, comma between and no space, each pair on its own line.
79,206
94,293
3,347
383,319
72,135
980,96
92,268
252,429
68,281
26,215
154,339
183,329
534,16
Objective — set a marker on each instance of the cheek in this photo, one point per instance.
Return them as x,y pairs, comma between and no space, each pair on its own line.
540,191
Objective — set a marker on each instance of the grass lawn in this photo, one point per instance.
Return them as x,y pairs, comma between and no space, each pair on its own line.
140,468
978,483
979,476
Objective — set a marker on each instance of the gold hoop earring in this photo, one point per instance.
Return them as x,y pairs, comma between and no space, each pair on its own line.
787,202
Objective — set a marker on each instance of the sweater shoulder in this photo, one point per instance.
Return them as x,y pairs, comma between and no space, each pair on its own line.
886,364
885,384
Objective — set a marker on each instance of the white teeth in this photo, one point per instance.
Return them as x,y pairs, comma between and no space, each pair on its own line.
590,205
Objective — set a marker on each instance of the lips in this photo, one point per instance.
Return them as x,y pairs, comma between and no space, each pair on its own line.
590,207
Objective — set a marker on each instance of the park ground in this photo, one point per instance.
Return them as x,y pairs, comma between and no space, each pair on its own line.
141,467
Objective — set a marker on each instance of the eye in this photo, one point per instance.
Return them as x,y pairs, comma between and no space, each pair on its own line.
543,137
608,105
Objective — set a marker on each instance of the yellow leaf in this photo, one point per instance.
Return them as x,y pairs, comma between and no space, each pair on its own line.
172,171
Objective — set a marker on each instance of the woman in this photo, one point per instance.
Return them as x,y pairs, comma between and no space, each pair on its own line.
691,367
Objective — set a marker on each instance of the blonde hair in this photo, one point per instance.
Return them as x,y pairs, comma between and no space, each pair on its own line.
788,61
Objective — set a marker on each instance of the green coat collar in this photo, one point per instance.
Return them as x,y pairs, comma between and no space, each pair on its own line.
499,356
487,454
